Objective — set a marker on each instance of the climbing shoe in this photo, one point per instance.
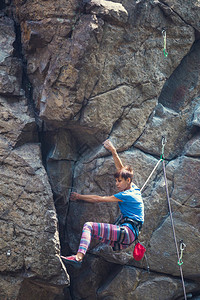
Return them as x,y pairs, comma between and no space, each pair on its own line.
71,260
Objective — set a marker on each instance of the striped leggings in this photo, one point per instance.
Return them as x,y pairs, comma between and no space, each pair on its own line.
106,233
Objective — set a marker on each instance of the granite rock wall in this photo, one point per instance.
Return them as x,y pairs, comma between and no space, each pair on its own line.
74,73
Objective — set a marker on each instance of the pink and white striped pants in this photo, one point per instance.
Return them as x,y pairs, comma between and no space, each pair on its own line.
106,233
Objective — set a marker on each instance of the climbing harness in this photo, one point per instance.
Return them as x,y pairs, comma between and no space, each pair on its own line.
137,225
139,250
117,244
133,222
164,42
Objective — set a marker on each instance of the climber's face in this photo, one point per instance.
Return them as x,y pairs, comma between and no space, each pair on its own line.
123,184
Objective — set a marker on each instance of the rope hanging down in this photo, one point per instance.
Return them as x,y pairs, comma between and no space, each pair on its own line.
173,228
182,245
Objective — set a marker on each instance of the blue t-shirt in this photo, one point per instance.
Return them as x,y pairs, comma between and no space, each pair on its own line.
132,205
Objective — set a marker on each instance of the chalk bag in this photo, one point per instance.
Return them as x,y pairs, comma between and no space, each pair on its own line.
138,251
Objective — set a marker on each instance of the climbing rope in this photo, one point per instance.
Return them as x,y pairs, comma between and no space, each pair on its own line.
154,169
164,42
161,159
173,228
182,245
150,175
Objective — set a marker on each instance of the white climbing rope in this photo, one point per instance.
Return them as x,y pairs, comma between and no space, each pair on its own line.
173,228
150,175
161,158
182,246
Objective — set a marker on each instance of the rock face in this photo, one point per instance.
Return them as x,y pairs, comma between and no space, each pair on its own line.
29,240
74,73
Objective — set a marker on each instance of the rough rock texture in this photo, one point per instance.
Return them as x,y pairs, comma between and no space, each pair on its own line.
29,240
73,73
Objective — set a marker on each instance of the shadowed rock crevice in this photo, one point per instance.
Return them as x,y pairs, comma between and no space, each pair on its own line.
39,290
17,45
2,5
25,230
184,79
197,35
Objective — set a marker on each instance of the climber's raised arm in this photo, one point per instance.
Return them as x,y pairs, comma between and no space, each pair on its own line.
109,146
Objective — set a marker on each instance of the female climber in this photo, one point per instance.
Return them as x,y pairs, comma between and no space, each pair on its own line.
122,234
